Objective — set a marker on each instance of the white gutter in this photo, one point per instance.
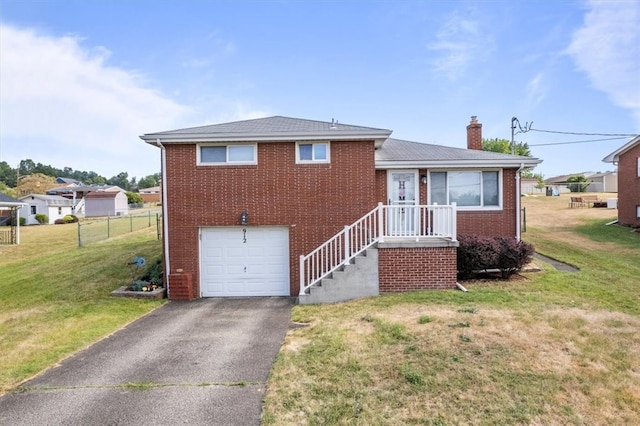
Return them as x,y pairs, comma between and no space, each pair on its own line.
518,195
165,219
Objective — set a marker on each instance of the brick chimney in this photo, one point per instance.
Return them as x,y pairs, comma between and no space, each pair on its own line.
474,134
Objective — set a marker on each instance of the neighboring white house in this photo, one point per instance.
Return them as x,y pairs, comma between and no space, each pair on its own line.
603,182
106,203
54,206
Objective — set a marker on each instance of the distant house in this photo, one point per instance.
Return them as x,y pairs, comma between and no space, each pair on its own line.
77,192
106,203
53,206
627,158
9,208
596,182
530,186
150,195
603,182
68,181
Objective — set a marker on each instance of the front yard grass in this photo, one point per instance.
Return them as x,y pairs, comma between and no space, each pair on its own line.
55,296
555,348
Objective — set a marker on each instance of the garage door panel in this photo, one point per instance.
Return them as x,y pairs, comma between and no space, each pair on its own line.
232,266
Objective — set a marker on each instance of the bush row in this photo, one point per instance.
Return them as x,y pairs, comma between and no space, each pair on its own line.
477,253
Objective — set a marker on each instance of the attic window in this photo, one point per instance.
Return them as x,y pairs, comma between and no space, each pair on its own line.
227,154
316,152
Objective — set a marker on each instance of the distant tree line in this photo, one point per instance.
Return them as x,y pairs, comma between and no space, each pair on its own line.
9,176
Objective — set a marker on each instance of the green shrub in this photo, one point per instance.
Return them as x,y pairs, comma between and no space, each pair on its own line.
70,219
477,253
153,274
42,218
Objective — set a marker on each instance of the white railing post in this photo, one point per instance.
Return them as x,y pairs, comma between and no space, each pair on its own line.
381,224
347,245
454,220
302,280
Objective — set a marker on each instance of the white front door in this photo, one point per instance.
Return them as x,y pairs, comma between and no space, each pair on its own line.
402,190
244,261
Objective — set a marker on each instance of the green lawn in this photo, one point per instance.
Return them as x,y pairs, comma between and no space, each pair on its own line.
55,296
554,348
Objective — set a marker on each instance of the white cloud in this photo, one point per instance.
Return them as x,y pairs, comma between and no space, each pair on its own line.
457,41
62,104
607,49
536,89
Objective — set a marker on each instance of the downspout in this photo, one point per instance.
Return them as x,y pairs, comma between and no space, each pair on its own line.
165,220
518,195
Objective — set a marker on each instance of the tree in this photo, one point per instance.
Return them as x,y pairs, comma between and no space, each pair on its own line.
577,183
121,180
134,198
504,146
8,175
149,181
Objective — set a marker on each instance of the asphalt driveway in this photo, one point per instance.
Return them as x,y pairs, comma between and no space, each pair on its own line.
200,363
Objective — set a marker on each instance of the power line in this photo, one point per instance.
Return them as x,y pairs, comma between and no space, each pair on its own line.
574,142
584,134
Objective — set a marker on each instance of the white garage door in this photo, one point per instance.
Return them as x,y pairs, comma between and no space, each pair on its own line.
250,261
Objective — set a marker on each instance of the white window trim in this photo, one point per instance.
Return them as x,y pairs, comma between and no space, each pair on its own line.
199,161
638,161
327,161
500,205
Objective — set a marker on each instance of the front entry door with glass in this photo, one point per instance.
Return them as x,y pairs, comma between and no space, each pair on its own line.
402,191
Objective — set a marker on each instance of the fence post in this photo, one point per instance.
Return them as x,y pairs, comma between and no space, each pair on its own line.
524,219
158,225
79,236
130,223
108,227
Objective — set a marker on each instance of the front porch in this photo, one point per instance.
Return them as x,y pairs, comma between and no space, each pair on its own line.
392,248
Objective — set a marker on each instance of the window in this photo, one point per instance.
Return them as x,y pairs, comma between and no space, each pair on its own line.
468,189
638,160
227,154
317,152
59,210
33,209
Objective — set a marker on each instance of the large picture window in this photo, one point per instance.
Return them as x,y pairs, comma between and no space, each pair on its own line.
468,189
227,154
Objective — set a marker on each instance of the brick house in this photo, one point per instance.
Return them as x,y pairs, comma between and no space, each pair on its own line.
627,158
324,211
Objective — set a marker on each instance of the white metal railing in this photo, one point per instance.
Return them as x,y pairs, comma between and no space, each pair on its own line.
384,222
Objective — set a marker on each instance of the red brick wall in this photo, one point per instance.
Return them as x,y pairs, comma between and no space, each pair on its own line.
629,187
420,268
493,223
314,200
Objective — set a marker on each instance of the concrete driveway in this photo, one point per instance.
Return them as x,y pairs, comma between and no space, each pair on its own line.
200,363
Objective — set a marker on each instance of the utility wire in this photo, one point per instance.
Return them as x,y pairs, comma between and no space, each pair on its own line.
584,134
574,142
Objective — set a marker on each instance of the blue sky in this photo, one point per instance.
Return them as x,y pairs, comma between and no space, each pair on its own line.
81,80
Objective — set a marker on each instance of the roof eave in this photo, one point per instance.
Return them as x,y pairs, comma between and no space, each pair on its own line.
378,137
440,164
614,157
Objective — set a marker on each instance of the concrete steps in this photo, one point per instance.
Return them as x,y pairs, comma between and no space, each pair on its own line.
354,281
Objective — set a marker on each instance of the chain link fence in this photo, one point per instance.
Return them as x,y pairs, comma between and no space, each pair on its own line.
92,231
